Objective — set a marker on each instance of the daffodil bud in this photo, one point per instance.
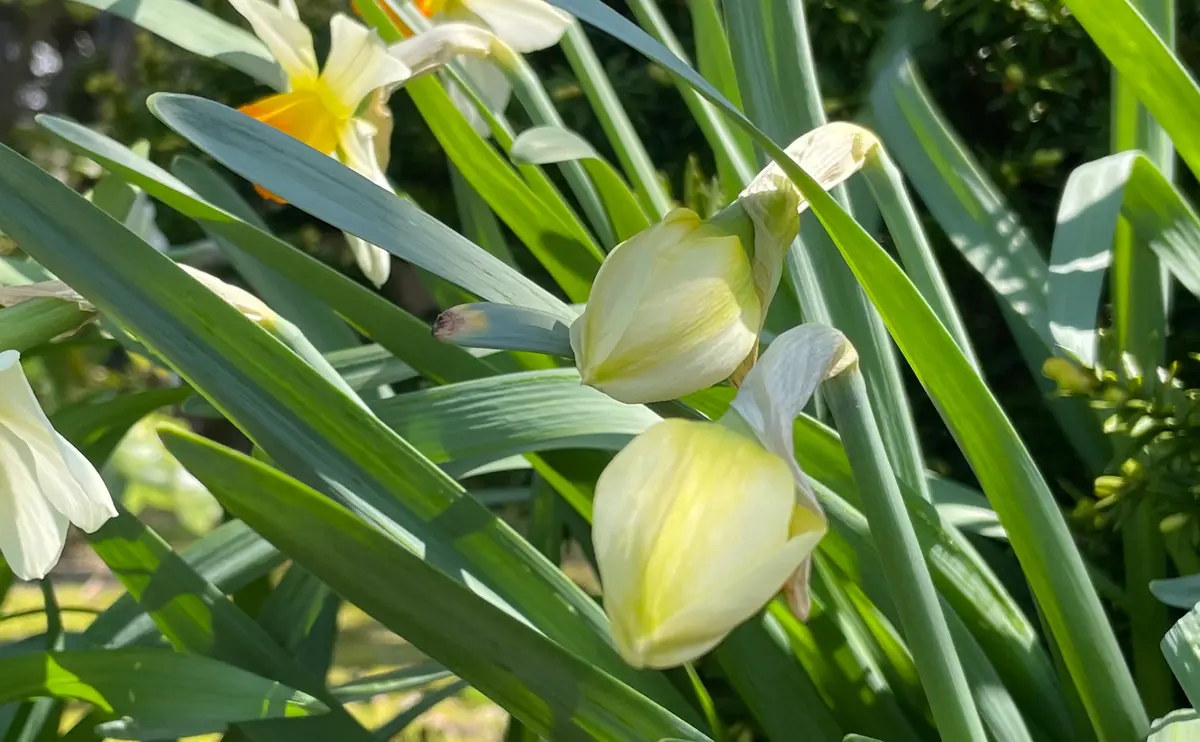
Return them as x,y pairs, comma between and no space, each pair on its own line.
672,310
679,307
697,525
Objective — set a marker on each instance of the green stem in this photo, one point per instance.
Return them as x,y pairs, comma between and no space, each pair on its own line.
917,604
1139,288
773,91
1145,561
904,225
706,703
631,153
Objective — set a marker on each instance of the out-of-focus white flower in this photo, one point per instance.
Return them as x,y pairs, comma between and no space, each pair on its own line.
672,310
698,525
45,482
524,25
519,25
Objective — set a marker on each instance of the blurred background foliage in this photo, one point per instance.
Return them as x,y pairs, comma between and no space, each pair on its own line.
1020,81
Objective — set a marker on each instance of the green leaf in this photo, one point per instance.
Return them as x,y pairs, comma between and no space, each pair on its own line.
302,422
715,61
498,416
291,610
200,32
395,681
1181,647
197,617
542,145
343,195
504,327
314,319
230,557
981,226
961,197
410,715
547,687
566,251
154,686
1145,62
1178,592
97,427
36,321
1007,473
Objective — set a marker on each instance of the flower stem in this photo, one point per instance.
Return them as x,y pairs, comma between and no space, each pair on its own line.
916,601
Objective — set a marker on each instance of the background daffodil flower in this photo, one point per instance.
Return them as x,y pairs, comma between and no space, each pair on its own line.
697,524
319,106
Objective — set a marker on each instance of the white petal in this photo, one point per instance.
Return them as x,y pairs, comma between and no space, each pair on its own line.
374,262
288,8
691,533
32,532
620,283
63,476
358,63
288,40
96,506
525,25
439,46
358,151
779,386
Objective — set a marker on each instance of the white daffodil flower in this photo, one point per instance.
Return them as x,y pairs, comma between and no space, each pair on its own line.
698,525
45,483
679,307
319,106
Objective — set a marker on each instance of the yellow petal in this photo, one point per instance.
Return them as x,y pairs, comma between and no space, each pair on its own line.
301,114
672,310
692,536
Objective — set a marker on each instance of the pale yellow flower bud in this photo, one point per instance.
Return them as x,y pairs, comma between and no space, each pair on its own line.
672,310
696,527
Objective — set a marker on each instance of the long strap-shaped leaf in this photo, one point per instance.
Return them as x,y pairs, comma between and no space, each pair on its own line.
381,218
155,686
982,227
1145,61
1097,196
298,418
548,688
1005,469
